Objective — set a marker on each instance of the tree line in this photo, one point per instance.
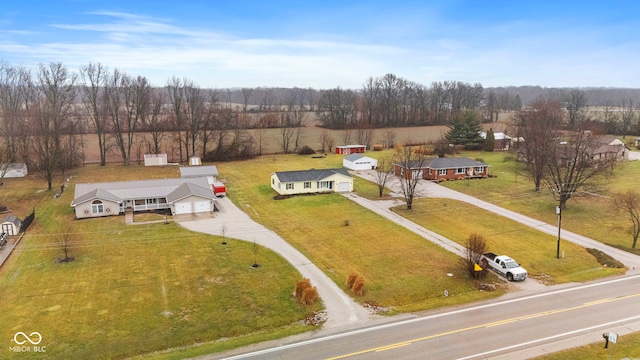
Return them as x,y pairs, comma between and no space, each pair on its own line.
46,111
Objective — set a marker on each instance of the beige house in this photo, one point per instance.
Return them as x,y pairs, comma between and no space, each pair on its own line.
178,196
311,181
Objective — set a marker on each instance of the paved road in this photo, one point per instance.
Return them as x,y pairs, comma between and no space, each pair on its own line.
518,328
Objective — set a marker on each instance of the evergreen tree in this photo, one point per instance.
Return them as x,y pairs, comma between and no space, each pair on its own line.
489,141
464,129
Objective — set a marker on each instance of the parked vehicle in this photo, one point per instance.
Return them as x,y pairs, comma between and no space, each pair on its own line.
504,265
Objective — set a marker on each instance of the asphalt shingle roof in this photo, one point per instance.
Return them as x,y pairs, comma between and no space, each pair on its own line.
309,175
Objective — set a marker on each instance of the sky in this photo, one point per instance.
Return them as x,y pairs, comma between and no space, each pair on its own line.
328,44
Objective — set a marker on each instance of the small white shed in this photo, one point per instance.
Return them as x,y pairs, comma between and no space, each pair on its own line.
11,225
155,159
359,162
14,170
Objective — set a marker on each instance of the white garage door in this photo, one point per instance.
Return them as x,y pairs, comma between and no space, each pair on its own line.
183,208
343,186
201,206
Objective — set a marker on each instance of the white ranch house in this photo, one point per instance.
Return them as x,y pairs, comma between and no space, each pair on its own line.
180,196
311,181
359,162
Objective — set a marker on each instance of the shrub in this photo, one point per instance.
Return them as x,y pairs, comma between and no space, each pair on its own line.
306,150
358,286
351,280
355,282
476,246
605,259
301,286
309,296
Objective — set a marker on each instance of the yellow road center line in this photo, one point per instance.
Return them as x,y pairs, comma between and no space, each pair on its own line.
497,323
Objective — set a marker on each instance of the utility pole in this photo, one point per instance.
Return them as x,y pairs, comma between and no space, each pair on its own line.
559,212
560,193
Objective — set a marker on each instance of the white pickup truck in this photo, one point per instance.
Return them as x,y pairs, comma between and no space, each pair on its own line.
504,265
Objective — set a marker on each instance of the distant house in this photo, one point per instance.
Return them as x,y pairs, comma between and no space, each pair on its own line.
440,169
155,159
179,196
311,181
11,225
14,170
609,147
350,149
359,162
502,141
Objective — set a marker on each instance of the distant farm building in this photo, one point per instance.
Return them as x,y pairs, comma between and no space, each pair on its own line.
359,162
155,159
350,149
502,140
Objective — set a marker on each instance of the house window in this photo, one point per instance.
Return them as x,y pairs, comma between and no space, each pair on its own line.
273,181
442,171
479,169
460,171
289,186
307,184
97,207
325,185
152,201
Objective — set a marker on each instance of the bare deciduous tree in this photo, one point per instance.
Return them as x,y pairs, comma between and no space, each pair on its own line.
128,104
384,173
326,141
53,113
475,247
17,96
629,203
410,161
389,138
538,125
65,243
94,82
155,123
576,106
571,169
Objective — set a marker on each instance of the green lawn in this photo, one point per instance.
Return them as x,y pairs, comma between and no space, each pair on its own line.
592,216
534,250
402,270
136,289
626,348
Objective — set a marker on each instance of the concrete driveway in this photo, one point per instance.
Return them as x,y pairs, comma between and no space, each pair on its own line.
341,310
430,189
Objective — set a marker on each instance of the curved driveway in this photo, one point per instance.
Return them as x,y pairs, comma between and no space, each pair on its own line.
341,309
